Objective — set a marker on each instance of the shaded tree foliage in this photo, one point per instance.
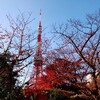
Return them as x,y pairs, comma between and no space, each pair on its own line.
15,55
81,41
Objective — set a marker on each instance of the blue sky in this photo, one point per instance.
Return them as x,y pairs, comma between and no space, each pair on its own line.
52,10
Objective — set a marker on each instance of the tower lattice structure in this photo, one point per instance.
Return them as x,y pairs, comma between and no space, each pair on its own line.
37,69
38,55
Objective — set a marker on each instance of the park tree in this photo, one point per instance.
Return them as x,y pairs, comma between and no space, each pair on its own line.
16,52
81,42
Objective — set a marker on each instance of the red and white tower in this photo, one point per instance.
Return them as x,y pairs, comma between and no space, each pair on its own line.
38,55
37,69
37,81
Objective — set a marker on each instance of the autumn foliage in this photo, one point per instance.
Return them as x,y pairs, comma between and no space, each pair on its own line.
66,65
